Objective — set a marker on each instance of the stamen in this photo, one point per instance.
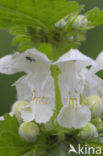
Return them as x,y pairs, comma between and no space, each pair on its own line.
37,99
34,91
34,97
73,102
76,92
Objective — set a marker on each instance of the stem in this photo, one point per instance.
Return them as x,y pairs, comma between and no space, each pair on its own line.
55,73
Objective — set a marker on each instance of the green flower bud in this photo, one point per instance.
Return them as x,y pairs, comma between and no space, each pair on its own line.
80,21
88,132
28,131
60,24
95,105
16,109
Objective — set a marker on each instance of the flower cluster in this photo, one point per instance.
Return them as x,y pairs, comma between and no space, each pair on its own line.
81,92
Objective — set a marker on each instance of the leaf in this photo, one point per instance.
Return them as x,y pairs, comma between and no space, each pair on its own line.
10,142
32,21
50,11
46,49
34,12
95,17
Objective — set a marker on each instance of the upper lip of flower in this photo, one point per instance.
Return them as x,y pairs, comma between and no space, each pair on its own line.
24,62
75,55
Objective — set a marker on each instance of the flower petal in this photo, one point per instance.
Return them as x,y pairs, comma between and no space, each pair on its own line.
27,116
74,118
24,92
28,61
75,55
99,64
42,112
93,84
99,59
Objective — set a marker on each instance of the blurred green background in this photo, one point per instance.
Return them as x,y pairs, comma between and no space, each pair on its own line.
91,47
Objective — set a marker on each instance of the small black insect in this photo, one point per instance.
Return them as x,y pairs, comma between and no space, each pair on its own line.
30,59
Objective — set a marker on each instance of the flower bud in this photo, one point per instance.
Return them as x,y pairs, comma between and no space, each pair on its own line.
88,132
28,131
95,105
80,20
1,117
60,24
17,108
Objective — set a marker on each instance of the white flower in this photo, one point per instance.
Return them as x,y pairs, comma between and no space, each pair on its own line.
36,65
42,106
93,83
71,84
28,61
70,78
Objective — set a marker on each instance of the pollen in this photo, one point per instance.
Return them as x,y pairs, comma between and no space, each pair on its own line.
73,102
34,96
39,99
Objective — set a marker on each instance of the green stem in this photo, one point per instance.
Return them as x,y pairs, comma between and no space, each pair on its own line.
55,73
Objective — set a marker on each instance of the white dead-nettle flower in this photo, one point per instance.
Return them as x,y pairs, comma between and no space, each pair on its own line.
29,61
93,88
36,87
93,83
71,83
42,105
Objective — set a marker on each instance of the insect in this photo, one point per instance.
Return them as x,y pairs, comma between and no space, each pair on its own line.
30,59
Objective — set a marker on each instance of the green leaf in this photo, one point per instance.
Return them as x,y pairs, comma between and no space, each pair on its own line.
34,12
32,21
95,17
46,49
10,142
